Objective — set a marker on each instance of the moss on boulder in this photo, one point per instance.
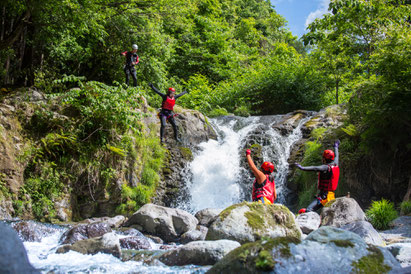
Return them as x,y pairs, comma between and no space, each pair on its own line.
247,222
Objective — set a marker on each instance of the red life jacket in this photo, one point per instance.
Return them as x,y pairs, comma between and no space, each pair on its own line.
267,190
328,181
169,103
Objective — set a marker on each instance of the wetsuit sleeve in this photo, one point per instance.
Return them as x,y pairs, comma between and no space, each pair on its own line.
315,168
179,95
158,92
137,60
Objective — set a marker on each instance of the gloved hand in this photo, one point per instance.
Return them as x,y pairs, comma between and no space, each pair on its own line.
150,85
188,91
248,152
337,143
298,165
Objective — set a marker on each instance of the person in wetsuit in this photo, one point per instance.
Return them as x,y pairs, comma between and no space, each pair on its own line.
166,113
132,59
263,187
328,175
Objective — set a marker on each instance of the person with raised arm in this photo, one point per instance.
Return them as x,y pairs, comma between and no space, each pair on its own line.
328,175
263,187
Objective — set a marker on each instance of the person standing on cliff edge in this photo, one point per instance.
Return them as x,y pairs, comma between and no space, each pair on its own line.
132,59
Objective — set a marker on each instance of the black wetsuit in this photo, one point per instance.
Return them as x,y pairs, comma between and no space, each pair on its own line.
167,114
324,171
129,69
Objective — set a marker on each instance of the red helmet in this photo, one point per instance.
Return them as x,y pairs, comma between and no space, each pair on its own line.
268,167
171,90
328,154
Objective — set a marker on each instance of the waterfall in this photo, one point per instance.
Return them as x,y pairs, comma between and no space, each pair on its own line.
217,176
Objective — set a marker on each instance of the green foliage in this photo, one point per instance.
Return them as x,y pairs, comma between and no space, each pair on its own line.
405,208
381,213
43,190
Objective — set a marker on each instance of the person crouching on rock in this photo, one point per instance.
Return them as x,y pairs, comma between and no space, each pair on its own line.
166,113
328,175
263,187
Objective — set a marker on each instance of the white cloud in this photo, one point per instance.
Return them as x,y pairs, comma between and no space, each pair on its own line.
322,9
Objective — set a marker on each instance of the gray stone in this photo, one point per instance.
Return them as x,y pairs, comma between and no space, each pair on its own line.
167,223
341,212
308,222
194,235
199,253
109,243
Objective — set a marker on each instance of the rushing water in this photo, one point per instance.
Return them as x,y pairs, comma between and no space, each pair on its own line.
216,178
42,255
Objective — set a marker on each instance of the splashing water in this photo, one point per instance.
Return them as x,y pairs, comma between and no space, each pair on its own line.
216,178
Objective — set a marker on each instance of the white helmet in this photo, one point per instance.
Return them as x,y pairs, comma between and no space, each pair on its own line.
134,46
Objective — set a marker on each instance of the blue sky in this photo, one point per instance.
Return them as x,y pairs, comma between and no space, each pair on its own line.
299,13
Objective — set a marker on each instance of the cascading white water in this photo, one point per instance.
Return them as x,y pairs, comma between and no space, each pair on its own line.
215,169
216,178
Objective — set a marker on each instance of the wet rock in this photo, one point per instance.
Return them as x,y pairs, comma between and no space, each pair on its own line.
199,253
308,222
167,223
13,255
109,243
248,222
341,211
82,232
135,242
207,216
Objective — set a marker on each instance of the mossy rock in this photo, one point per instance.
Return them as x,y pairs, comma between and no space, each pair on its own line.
247,222
255,257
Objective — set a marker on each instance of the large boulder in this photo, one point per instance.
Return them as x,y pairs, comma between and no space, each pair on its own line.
248,222
167,223
341,211
366,231
82,232
13,255
199,253
109,243
326,250
308,222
